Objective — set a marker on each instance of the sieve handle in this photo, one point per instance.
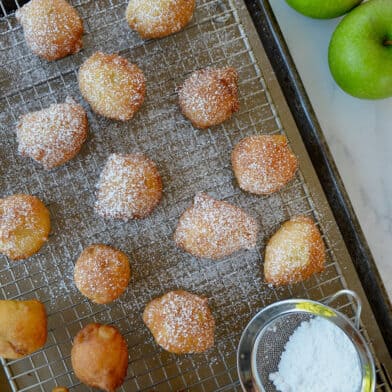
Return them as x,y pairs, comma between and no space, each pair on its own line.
351,294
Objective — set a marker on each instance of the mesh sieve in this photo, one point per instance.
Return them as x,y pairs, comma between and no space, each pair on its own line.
264,339
270,344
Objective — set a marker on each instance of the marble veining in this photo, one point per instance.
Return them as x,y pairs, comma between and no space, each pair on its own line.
359,132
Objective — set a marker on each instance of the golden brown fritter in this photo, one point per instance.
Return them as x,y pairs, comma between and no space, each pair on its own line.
263,164
99,357
23,328
294,253
214,229
130,187
181,322
112,86
159,18
54,135
210,96
102,273
24,225
52,28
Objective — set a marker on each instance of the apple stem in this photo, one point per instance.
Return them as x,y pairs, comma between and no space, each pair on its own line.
388,42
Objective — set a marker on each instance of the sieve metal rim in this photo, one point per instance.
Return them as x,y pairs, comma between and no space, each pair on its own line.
246,356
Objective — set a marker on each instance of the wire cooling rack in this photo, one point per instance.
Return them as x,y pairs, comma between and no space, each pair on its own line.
189,161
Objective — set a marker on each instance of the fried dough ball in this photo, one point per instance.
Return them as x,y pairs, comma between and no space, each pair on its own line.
159,18
53,29
23,328
54,135
60,389
210,96
214,229
99,357
130,187
24,225
112,86
181,322
102,273
263,164
294,253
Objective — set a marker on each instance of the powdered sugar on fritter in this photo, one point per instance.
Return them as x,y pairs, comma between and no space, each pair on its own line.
213,228
54,135
129,187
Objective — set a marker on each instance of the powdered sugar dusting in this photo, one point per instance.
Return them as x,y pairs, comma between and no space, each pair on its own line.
214,229
189,161
181,322
263,163
294,252
102,273
159,18
129,187
318,357
22,224
54,135
210,96
52,28
112,86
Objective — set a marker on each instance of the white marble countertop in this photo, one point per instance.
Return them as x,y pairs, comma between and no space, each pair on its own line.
359,132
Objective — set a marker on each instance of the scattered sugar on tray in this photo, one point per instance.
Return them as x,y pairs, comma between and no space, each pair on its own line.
318,357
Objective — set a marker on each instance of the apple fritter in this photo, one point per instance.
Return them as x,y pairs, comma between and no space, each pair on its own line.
210,96
263,164
159,18
214,229
180,322
294,253
112,86
52,28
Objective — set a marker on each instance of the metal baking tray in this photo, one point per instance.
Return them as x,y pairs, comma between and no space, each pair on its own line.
221,33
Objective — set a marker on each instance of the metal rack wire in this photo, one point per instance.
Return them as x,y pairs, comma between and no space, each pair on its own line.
189,161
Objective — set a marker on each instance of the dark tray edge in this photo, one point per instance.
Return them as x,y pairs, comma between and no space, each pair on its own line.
323,162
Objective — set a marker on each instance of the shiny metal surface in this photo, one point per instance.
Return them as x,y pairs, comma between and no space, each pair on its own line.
265,337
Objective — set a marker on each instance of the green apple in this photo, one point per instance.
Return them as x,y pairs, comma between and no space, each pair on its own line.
323,9
360,51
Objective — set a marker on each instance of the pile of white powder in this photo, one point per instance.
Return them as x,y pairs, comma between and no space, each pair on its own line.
318,357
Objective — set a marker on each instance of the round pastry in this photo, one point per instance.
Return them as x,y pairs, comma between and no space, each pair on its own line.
54,135
112,86
210,96
180,322
24,225
159,18
99,357
23,328
263,164
52,28
294,253
214,229
102,273
60,389
129,187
